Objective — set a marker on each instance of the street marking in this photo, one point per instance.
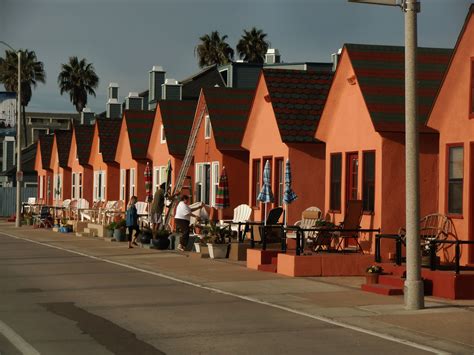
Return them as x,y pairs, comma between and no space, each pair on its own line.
16,340
247,298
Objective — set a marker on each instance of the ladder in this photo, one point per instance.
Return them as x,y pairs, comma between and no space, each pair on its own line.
183,171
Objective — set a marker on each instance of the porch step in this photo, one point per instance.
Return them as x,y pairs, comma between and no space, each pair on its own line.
392,280
382,289
268,267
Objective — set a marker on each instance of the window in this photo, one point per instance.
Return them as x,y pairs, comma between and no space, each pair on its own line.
215,181
203,182
48,187
279,181
98,146
57,187
207,127
41,187
471,94
99,185
159,176
162,135
256,180
132,182
368,187
73,189
335,188
352,176
122,184
79,185
455,179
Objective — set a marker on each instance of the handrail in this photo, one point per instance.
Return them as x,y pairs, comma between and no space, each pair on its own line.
431,246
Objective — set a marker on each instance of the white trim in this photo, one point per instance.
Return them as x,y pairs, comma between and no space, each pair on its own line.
207,127
41,187
132,191
162,135
214,182
123,174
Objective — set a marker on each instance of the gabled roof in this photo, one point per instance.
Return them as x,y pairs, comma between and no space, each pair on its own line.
63,145
298,99
109,131
228,111
84,135
46,147
206,78
177,119
139,126
380,72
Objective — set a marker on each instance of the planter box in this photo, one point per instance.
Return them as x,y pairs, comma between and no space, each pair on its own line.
218,251
371,278
238,251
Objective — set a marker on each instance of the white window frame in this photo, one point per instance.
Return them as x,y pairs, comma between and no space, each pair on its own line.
214,182
73,186
162,135
79,185
57,181
201,181
99,190
207,127
41,187
132,182
123,176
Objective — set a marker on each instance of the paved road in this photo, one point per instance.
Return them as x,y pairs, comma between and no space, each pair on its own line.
55,302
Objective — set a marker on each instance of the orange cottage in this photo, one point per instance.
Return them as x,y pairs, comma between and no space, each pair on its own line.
131,153
59,165
453,117
224,113
81,171
363,121
169,138
102,159
45,174
281,125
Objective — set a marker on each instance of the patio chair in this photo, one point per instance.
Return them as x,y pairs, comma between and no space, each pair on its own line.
348,229
242,214
104,210
91,214
263,234
142,211
44,219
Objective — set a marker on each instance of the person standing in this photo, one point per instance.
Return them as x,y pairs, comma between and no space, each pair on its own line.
182,219
157,206
132,221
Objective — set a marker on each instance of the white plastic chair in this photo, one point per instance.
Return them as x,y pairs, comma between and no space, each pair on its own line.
242,214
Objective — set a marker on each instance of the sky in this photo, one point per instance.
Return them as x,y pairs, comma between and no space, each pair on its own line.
124,39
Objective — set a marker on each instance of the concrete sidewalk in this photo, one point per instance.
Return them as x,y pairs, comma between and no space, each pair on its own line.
444,324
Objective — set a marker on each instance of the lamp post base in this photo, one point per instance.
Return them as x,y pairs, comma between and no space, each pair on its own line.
414,294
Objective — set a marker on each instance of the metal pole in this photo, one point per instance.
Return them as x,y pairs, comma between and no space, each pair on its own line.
413,290
18,147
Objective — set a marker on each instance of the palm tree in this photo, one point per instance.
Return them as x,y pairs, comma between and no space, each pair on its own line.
213,49
78,78
252,46
32,73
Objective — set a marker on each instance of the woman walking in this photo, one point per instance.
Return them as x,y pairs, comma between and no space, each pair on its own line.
132,221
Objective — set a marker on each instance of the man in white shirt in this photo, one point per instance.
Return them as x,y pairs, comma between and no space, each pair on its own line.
182,218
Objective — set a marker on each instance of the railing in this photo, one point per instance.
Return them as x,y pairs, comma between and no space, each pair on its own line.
432,247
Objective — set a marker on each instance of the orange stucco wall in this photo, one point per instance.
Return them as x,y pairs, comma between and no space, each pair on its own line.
346,127
45,174
158,153
235,162
85,170
112,170
450,116
65,173
262,139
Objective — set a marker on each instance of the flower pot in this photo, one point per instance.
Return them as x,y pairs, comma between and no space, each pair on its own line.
217,251
145,237
371,278
109,233
197,247
119,235
161,243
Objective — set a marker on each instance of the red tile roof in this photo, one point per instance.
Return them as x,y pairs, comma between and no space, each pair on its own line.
63,145
109,131
46,147
139,126
84,135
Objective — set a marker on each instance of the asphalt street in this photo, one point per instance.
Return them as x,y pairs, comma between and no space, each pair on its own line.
56,302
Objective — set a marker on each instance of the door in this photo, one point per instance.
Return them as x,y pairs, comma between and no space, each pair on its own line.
470,248
352,181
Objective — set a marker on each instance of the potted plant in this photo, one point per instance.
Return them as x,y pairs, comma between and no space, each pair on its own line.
146,235
119,231
372,274
218,239
160,239
109,229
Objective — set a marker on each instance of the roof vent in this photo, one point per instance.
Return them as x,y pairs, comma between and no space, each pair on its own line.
272,56
156,79
171,90
133,102
113,91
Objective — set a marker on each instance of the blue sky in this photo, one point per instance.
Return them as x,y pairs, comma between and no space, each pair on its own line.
124,39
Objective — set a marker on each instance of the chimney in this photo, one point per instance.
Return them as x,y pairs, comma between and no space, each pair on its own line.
171,90
114,109
156,79
133,101
87,116
272,56
335,59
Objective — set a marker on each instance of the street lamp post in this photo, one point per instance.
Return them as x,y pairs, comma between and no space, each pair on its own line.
19,175
413,290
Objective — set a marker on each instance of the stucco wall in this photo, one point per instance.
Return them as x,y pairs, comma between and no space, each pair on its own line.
450,116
